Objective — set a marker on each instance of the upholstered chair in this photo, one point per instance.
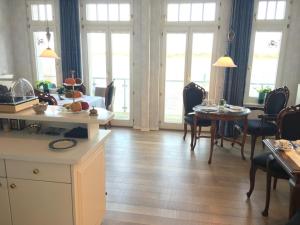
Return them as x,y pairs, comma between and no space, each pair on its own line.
193,95
265,124
288,123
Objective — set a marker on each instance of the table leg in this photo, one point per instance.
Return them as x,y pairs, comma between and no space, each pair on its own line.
244,137
212,138
222,132
294,196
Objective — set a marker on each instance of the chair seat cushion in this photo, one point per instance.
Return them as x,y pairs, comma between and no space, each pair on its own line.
258,127
261,161
189,119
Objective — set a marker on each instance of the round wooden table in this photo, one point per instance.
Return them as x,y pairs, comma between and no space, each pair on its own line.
222,117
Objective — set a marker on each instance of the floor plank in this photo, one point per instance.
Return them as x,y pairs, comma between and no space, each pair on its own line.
154,178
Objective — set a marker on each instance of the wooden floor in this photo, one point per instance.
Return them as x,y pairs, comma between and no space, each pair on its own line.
154,178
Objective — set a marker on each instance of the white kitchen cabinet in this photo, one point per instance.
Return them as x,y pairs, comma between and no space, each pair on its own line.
39,202
5,216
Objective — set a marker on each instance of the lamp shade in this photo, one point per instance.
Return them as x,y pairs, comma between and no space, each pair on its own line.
225,61
49,53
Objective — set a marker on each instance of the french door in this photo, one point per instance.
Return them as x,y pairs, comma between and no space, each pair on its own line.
108,58
187,57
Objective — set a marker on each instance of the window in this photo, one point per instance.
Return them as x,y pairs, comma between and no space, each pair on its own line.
107,42
271,10
45,67
265,61
265,57
108,12
42,15
41,12
187,54
191,12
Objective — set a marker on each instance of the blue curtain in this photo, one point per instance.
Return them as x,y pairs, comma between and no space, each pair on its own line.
238,49
70,37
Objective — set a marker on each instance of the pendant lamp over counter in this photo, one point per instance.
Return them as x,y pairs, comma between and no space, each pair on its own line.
48,52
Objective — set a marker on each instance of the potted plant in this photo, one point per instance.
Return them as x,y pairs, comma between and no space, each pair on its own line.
262,92
44,84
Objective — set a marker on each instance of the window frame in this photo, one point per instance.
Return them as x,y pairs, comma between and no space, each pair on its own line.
107,27
267,26
189,28
40,26
191,23
83,15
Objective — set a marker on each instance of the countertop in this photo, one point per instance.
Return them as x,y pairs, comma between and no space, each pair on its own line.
18,145
59,114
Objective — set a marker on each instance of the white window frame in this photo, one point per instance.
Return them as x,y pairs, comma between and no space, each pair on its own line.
267,26
189,28
107,27
40,26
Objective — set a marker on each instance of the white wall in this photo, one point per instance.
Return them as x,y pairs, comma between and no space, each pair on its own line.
20,39
6,58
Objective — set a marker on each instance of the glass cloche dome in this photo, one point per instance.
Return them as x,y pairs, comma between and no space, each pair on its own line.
15,91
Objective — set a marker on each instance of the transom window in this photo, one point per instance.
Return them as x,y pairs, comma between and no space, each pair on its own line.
108,12
41,12
191,12
271,10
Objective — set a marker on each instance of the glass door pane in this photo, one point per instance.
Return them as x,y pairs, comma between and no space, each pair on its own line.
201,58
174,77
97,59
265,61
45,67
120,43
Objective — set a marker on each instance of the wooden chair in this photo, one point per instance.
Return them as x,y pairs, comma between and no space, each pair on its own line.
288,122
265,125
193,95
45,97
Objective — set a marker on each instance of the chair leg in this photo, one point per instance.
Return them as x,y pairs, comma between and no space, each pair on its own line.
185,130
253,142
268,193
192,136
275,183
199,131
252,179
263,144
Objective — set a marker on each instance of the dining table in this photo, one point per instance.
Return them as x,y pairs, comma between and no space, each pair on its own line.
218,117
290,162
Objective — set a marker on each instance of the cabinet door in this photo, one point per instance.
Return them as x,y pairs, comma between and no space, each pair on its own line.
5,216
39,202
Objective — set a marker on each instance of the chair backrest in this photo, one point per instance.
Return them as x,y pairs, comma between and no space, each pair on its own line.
276,100
45,97
193,95
109,96
288,122
100,91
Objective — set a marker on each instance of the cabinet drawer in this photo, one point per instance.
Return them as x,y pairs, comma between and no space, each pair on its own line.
38,171
2,168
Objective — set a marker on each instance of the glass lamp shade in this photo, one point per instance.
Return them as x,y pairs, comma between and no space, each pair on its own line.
49,53
225,61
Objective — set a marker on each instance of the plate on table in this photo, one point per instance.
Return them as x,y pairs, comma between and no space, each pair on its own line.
206,109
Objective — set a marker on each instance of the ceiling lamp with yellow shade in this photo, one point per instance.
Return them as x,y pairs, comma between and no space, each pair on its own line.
48,52
225,61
